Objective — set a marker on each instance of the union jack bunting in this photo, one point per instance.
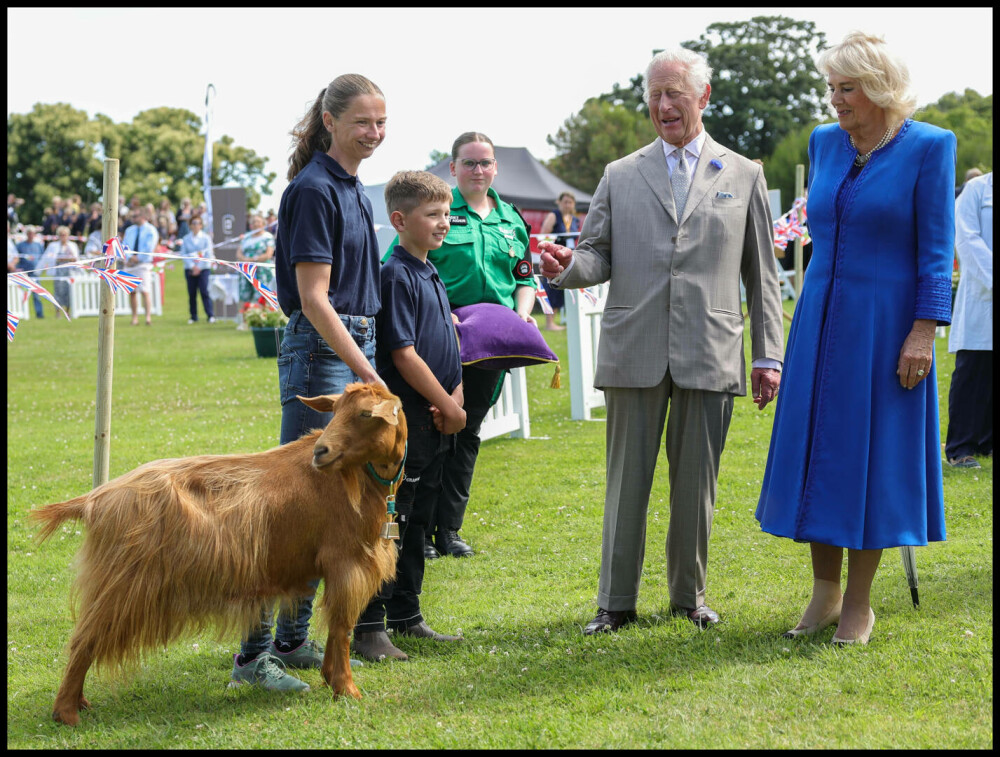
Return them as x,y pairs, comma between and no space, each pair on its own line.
12,321
782,232
113,250
590,295
800,204
119,281
21,279
250,271
543,297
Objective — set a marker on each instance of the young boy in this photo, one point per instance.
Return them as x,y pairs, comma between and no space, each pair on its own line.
417,357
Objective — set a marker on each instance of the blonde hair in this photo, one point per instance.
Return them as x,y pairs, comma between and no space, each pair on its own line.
407,190
309,134
883,77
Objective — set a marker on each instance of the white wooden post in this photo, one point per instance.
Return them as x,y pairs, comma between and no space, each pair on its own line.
800,190
18,300
583,334
510,413
88,288
105,335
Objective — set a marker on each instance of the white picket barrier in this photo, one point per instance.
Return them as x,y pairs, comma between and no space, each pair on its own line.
583,333
510,413
85,296
18,300
786,281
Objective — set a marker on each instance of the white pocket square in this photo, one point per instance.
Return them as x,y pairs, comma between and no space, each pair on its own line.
724,195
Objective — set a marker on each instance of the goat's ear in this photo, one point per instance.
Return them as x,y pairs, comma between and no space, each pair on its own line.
323,403
387,410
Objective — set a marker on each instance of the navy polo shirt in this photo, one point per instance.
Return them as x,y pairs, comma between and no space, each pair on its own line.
415,312
325,217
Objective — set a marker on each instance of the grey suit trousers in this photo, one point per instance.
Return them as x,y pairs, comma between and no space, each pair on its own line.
696,434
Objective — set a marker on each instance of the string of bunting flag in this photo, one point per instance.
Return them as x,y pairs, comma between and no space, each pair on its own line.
788,227
124,281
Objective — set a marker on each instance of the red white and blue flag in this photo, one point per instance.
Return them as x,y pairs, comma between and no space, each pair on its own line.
250,271
119,281
114,250
12,321
590,294
543,297
22,279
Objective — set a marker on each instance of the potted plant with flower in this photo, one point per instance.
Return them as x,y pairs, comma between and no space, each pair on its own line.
267,326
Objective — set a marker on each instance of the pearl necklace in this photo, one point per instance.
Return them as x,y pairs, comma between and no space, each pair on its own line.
859,159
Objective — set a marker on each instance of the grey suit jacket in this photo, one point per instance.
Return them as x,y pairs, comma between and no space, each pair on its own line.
674,293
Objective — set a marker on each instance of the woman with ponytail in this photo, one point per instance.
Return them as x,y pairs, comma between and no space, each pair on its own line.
327,271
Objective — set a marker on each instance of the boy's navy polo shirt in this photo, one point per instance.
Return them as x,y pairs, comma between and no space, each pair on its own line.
325,217
415,311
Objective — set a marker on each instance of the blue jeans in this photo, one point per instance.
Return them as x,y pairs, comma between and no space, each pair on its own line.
307,366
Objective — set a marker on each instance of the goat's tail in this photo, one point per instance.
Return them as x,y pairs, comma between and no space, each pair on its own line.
51,516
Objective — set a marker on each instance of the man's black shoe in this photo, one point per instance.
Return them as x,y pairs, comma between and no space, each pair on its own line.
609,621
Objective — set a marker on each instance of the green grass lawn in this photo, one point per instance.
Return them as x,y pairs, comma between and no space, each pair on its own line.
524,676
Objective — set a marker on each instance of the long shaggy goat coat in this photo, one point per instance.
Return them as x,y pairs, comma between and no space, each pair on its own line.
177,545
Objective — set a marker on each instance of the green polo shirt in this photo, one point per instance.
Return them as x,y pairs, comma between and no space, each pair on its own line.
478,261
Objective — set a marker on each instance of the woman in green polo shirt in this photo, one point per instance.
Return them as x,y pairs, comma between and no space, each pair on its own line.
484,258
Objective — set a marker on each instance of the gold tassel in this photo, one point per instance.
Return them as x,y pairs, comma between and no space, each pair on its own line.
556,384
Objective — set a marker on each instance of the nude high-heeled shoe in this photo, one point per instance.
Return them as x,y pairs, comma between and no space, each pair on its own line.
863,638
830,618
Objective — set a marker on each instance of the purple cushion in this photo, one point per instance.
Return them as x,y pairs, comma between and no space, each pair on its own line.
493,336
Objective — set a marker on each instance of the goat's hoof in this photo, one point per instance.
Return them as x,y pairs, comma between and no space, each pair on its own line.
348,690
67,716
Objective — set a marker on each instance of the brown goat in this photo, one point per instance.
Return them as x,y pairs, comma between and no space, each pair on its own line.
177,545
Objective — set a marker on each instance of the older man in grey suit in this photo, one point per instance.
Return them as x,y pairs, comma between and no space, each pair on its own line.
673,226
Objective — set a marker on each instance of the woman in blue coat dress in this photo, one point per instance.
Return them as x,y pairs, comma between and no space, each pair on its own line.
856,426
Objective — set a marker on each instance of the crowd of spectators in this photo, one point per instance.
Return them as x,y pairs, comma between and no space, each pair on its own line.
84,223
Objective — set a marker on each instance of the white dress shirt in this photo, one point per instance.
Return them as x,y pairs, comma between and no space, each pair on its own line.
692,150
972,320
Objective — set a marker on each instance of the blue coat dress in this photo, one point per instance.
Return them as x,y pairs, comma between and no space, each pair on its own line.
855,459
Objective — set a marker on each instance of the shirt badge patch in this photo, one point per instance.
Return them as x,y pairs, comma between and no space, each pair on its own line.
523,270
458,220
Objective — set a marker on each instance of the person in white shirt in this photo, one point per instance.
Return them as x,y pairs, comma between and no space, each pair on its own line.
141,238
196,247
970,398
58,252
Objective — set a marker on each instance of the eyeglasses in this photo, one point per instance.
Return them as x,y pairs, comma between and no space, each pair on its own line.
486,164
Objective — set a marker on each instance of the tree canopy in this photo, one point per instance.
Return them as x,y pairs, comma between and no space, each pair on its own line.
599,134
969,116
764,81
764,86
57,150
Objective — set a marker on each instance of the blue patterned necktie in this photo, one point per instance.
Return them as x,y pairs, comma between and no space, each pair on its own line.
680,182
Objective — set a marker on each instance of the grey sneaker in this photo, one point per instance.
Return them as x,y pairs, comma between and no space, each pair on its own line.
267,672
305,656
